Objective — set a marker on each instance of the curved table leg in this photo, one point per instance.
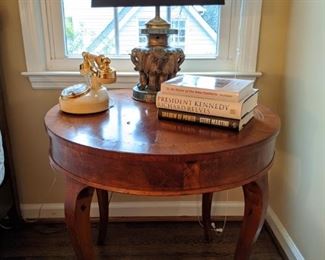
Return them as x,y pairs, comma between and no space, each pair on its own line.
77,209
206,214
256,202
102,196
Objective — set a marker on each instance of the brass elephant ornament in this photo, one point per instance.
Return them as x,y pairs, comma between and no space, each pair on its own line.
156,65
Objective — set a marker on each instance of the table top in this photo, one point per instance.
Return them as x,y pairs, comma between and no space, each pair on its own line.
132,127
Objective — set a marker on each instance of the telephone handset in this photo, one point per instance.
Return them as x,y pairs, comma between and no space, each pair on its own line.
91,97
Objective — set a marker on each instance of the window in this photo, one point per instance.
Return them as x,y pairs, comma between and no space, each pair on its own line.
116,31
216,40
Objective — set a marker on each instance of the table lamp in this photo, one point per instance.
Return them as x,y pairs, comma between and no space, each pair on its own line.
157,62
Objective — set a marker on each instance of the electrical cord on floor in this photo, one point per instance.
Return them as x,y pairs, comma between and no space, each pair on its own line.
110,197
46,196
52,230
217,230
49,229
5,224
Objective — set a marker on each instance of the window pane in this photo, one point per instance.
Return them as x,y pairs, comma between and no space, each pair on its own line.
130,27
93,29
88,28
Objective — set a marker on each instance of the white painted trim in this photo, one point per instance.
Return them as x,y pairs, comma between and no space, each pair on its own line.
32,30
283,237
138,209
249,35
61,79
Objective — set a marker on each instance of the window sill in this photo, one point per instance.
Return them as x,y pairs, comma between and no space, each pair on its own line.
62,79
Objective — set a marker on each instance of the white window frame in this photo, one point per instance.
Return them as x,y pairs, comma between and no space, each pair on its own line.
48,68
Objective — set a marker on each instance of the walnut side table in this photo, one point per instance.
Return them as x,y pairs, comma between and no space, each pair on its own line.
128,150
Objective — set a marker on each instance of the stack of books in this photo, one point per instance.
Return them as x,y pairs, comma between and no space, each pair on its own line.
222,102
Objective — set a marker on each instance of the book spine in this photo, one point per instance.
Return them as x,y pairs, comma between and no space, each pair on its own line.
201,93
199,105
199,119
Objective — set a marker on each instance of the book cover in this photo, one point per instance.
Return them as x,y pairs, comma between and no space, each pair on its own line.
205,106
235,124
227,89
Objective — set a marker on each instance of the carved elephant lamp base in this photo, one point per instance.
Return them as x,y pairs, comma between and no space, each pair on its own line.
157,62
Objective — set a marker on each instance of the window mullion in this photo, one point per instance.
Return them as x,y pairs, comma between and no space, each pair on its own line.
116,33
169,14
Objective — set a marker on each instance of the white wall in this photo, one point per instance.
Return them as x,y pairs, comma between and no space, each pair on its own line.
298,176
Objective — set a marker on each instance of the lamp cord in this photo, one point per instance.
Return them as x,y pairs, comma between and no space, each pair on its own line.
239,39
218,231
42,204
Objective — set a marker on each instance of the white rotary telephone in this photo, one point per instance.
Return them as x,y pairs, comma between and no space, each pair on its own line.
91,97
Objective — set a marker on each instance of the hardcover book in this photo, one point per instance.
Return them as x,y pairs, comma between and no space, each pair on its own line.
235,124
205,106
227,89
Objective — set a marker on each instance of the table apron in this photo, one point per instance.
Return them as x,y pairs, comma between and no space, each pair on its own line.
224,170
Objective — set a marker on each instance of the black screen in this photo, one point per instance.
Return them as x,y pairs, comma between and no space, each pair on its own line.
107,3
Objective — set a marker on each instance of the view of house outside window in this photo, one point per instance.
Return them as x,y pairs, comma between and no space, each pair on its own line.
116,31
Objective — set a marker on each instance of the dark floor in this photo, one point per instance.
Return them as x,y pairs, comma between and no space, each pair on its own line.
135,240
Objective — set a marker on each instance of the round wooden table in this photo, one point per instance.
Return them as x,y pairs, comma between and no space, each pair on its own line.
128,150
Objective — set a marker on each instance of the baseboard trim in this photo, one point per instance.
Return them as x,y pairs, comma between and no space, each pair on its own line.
137,209
283,237
165,209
